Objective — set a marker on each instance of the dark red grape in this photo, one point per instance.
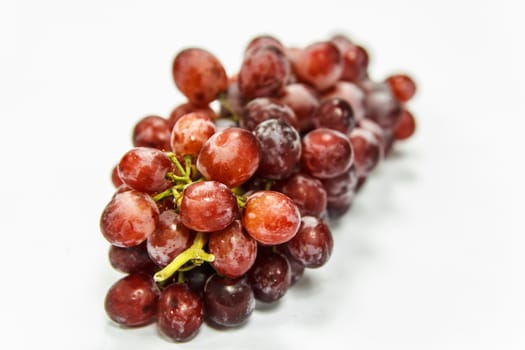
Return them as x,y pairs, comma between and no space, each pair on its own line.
367,150
296,268
313,244
199,75
303,100
264,72
208,206
130,260
402,86
169,239
196,278
234,250
270,277
230,156
326,153
341,191
152,131
352,94
405,127
271,217
190,133
355,59
228,302
282,148
306,192
132,300
336,114
144,169
264,108
129,218
319,64
180,312
341,184
381,106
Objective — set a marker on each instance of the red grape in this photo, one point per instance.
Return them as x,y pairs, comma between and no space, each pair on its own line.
326,153
228,302
207,206
320,65
282,145
381,106
152,131
270,277
303,100
336,114
199,76
130,260
144,169
352,94
180,312
264,72
169,239
262,41
405,127
129,218
264,108
367,150
132,300
271,217
355,59
185,108
402,86
115,178
230,156
234,250
313,244
190,133
307,193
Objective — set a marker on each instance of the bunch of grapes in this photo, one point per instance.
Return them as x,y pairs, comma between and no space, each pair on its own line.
217,208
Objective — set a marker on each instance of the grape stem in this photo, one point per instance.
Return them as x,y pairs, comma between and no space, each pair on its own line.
223,100
195,253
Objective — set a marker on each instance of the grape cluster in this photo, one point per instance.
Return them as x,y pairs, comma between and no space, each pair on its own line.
217,208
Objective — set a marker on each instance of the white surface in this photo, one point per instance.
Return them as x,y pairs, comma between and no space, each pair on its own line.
430,257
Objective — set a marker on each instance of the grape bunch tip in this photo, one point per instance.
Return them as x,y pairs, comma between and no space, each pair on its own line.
217,208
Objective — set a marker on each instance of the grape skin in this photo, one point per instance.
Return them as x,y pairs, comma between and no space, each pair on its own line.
270,277
271,217
326,153
190,133
199,75
180,312
282,145
264,72
132,300
230,156
313,244
234,250
152,131
144,169
207,206
169,239
228,302
129,218
130,260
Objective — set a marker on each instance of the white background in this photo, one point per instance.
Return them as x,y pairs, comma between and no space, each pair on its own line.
430,257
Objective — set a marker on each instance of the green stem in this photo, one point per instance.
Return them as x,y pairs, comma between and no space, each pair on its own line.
223,100
195,252
163,194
